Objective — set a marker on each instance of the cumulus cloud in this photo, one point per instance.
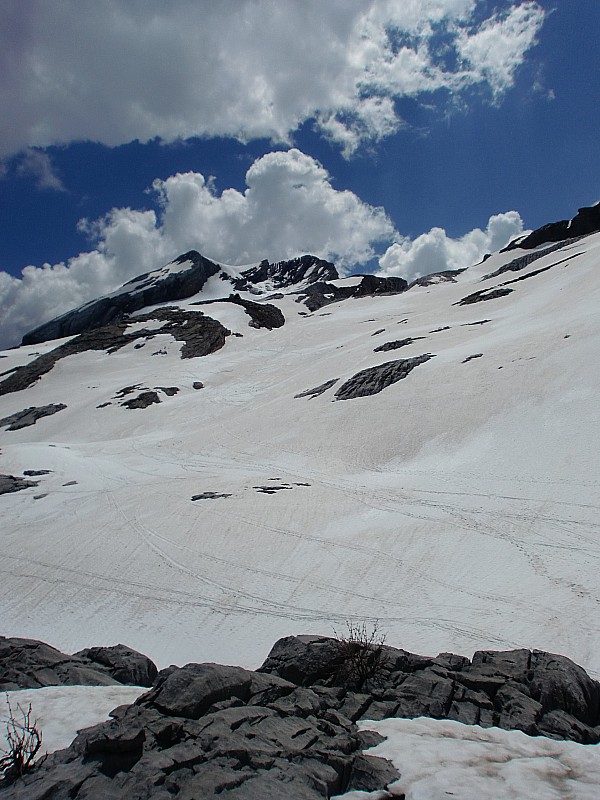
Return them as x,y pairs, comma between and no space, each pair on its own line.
436,251
288,208
124,70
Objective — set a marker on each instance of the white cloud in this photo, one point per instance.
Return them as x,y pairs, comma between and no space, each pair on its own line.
289,208
114,72
436,251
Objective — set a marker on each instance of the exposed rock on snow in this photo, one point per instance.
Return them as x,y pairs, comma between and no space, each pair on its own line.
533,691
29,416
152,288
470,358
207,730
283,274
262,315
210,496
523,261
143,400
9,483
289,729
586,221
321,294
374,379
484,294
445,276
29,664
200,335
318,389
383,348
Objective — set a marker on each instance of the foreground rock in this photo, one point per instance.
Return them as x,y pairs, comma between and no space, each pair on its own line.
287,731
209,731
29,664
535,692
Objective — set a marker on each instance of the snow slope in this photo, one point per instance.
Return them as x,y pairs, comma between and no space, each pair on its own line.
459,506
438,759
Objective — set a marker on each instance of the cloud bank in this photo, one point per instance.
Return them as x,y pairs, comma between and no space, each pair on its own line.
288,208
124,70
435,251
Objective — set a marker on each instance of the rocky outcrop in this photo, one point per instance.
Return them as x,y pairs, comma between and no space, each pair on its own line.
143,400
207,731
283,274
10,483
288,730
586,221
318,389
321,293
163,285
200,335
262,315
374,379
536,692
517,264
29,664
484,294
29,416
383,348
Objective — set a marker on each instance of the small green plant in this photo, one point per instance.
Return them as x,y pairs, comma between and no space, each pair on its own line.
361,654
23,743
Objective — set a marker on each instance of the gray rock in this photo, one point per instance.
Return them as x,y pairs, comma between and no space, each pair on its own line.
396,344
143,400
29,416
10,483
323,387
124,664
586,221
200,335
30,664
484,294
374,379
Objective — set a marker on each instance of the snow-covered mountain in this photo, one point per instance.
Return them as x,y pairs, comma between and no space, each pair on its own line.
214,457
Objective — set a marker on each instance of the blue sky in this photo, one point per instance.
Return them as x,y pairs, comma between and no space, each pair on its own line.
393,136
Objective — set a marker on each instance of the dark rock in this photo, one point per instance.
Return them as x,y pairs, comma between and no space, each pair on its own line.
200,335
370,774
170,391
197,385
470,358
124,664
321,293
9,483
478,322
143,400
29,416
209,496
283,274
376,333
586,221
318,389
29,664
374,379
520,263
484,294
383,348
263,315
31,473
149,289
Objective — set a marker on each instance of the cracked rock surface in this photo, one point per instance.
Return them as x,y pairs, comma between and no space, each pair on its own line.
288,730
374,379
